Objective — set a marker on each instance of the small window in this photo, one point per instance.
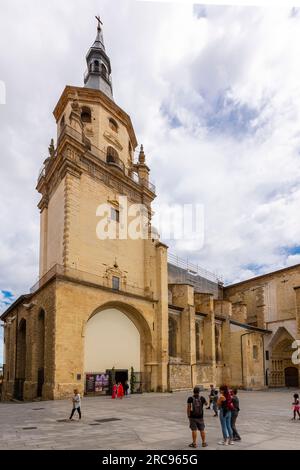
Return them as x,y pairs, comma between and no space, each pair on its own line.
112,155
116,283
113,125
96,66
103,71
115,214
86,115
255,352
267,355
62,123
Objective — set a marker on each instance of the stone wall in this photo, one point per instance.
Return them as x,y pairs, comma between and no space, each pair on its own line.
180,376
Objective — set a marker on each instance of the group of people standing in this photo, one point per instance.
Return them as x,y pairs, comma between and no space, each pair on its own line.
118,390
225,404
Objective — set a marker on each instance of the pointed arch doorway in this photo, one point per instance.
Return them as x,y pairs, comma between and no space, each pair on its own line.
291,377
283,373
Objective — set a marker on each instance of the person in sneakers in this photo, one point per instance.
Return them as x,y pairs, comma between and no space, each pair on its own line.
211,396
76,400
195,406
225,406
234,414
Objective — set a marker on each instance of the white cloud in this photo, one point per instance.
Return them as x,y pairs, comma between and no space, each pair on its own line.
230,78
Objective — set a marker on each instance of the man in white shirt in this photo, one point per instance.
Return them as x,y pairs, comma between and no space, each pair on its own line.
76,404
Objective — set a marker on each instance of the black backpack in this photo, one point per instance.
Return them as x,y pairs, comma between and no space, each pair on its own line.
197,408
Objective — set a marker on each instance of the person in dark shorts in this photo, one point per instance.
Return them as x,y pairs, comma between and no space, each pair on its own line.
195,405
234,414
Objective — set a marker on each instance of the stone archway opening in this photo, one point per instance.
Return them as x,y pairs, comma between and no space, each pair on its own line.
291,377
283,373
20,361
116,347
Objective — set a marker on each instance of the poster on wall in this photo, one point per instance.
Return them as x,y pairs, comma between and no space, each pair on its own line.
90,383
97,383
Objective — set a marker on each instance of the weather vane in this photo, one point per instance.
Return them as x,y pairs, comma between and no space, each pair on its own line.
99,21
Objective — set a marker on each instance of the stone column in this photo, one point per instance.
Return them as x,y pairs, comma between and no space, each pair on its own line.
30,383
204,303
297,293
239,312
260,306
226,351
183,296
162,317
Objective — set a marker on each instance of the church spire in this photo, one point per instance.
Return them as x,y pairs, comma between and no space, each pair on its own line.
98,74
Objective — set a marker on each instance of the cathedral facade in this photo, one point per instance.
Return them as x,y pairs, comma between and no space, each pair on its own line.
114,308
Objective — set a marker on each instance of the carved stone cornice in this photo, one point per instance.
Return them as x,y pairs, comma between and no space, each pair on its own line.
43,204
112,140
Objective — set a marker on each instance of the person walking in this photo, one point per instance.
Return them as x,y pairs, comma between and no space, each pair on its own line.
234,414
76,404
215,403
296,406
225,406
211,396
195,413
114,391
126,388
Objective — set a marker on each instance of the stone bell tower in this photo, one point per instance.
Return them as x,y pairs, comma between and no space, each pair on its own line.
91,169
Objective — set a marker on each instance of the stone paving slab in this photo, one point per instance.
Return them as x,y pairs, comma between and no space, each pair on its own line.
149,421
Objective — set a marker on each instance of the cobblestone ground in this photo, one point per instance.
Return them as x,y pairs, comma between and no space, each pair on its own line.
149,421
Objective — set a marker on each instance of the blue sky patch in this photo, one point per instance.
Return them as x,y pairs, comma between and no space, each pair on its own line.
291,250
227,116
6,298
255,268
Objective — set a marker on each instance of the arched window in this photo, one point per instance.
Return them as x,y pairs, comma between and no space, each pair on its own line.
112,155
172,337
103,71
62,123
113,124
86,114
96,66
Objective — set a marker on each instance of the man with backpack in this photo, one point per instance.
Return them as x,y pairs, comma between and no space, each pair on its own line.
195,406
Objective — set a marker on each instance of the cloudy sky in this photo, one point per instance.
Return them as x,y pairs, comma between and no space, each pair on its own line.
214,95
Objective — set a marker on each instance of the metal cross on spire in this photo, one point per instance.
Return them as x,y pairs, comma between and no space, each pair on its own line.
99,21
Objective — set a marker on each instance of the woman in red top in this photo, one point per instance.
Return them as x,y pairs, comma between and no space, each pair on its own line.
114,391
120,392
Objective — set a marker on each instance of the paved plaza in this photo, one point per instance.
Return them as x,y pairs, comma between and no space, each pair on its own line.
148,421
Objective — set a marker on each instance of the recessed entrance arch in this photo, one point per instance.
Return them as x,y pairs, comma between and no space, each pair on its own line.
283,372
116,336
111,340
